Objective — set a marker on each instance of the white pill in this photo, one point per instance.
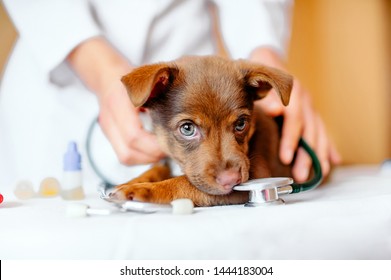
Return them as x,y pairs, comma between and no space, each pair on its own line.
76,210
182,206
80,210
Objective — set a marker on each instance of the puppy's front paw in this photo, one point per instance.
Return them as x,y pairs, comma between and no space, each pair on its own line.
139,192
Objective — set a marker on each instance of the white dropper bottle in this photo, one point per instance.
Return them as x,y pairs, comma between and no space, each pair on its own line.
71,185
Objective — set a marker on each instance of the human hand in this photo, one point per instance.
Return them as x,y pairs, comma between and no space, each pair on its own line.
100,67
300,120
121,124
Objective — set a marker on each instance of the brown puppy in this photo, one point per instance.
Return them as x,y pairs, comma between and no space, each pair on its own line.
203,116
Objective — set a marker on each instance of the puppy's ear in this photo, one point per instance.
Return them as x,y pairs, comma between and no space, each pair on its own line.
147,82
260,79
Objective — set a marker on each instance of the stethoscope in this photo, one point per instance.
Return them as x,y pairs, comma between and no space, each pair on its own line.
269,190
264,191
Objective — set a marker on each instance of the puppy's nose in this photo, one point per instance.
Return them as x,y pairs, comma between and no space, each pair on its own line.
229,178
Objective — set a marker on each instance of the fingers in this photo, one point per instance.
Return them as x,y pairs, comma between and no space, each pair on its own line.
323,147
315,134
335,156
302,164
300,120
128,149
121,124
271,104
293,126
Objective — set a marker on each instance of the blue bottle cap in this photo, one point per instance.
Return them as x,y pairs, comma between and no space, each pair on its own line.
72,158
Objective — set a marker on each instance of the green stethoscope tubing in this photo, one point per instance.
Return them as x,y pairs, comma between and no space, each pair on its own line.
106,184
296,187
317,178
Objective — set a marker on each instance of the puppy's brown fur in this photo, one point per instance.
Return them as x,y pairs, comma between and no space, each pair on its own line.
204,118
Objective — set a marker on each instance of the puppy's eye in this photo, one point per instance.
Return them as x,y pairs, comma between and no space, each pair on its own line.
241,125
188,129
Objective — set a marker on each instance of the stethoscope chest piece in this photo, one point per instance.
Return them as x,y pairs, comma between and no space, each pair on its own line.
266,190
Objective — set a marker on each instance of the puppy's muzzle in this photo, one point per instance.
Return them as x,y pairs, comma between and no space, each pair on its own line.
229,178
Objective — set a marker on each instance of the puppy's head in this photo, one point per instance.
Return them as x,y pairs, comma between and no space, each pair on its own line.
201,109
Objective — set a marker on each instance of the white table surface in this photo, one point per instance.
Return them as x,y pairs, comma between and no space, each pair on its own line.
347,218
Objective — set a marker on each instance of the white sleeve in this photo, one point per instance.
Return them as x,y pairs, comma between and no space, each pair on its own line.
248,24
52,28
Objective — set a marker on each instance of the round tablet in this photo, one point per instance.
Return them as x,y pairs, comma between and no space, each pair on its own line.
182,206
76,210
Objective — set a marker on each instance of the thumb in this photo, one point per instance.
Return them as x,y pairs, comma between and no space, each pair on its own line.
271,104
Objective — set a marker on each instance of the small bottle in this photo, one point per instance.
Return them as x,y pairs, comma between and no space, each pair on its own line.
71,185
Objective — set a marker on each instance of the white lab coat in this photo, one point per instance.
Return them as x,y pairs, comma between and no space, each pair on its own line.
42,103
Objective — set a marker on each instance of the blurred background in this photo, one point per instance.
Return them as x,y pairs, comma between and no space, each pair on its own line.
341,52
